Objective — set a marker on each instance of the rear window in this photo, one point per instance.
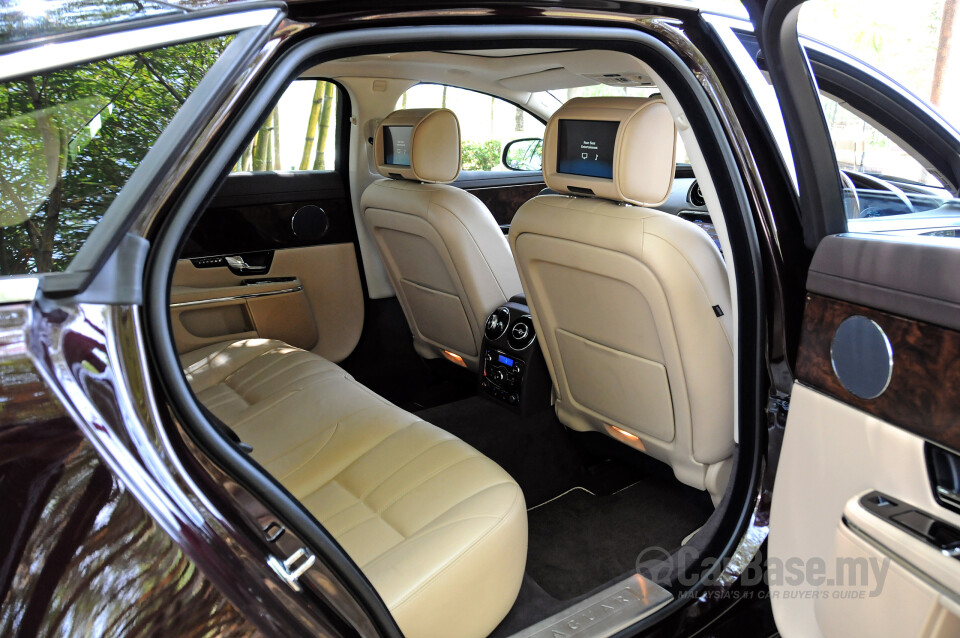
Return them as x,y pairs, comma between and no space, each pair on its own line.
71,138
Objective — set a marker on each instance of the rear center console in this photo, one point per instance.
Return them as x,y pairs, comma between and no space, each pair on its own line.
512,370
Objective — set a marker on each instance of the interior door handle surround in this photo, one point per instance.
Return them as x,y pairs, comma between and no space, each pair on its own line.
239,264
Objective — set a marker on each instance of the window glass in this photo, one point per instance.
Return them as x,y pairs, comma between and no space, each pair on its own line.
70,139
914,44
300,134
862,148
487,123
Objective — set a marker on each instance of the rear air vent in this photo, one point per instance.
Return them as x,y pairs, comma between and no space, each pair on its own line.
497,323
521,334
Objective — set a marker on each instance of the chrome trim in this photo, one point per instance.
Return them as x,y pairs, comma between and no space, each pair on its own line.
201,302
532,334
905,563
47,57
605,613
18,289
506,324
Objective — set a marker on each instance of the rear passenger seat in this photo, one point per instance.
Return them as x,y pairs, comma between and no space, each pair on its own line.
439,529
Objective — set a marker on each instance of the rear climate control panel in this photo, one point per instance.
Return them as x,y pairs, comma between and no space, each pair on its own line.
512,368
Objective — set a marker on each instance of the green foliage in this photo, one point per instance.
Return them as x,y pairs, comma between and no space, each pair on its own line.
71,138
480,156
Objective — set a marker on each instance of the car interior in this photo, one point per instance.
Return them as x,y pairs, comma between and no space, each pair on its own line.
497,390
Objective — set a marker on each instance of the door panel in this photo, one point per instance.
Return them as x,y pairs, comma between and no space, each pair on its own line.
504,201
839,447
502,192
304,290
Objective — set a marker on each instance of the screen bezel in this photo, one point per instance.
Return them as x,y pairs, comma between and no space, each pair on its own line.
388,132
561,139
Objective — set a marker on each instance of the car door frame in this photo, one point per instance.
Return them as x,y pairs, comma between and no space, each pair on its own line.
836,439
81,326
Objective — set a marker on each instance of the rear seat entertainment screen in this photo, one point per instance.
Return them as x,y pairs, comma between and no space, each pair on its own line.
396,145
585,147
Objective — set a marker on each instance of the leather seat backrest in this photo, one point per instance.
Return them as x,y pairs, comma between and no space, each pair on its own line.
631,304
445,254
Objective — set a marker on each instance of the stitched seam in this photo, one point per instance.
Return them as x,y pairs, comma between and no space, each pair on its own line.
382,554
402,467
413,488
331,431
410,595
423,528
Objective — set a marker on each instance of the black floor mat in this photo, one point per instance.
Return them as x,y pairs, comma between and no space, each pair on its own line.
581,541
536,450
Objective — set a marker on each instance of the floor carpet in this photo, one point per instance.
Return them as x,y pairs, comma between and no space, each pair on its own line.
536,450
594,506
580,541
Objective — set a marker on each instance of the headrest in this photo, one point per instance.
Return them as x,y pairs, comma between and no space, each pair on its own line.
619,148
419,144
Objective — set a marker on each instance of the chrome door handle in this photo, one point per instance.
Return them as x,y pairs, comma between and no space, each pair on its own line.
237,262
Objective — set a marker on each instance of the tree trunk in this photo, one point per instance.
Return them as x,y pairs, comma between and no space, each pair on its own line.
246,160
518,120
943,50
310,141
326,120
403,104
493,103
277,166
443,98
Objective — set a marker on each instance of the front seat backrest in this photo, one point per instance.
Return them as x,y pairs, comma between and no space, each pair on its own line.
631,304
445,254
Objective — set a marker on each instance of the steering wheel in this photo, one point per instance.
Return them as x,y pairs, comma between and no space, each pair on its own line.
882,184
850,193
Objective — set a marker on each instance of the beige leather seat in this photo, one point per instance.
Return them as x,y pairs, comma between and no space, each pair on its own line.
446,256
439,529
623,298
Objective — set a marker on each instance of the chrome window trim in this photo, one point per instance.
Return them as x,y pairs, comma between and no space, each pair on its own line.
48,57
201,302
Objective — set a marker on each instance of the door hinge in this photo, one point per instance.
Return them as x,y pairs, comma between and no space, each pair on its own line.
293,567
777,409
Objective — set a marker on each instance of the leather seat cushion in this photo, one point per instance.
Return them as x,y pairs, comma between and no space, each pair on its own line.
439,529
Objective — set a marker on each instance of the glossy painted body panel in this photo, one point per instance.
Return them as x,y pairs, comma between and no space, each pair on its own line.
78,554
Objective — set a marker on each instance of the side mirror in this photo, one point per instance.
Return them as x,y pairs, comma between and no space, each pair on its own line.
524,154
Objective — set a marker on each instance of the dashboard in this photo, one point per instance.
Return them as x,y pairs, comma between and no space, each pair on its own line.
686,202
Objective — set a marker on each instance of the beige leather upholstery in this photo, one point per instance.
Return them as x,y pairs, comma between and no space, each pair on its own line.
446,257
623,301
439,529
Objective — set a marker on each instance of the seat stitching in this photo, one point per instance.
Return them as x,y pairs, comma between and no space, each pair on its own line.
403,466
423,528
409,595
329,431
413,488
254,380
430,531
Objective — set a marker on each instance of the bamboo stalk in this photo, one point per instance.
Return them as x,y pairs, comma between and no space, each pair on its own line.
326,119
309,142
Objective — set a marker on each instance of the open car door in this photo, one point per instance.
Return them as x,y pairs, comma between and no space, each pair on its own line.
865,521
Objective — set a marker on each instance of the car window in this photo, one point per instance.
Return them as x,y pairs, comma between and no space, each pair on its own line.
487,123
886,190
70,139
862,148
300,134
